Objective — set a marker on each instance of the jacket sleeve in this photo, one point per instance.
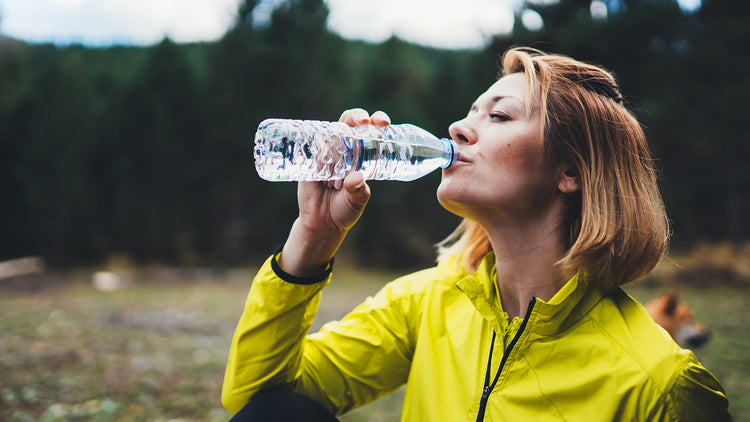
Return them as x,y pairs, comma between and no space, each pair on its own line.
696,396
346,364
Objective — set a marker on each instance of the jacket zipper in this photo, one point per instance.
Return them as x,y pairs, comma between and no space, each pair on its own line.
487,386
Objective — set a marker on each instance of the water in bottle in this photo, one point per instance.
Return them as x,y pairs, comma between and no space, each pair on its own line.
294,150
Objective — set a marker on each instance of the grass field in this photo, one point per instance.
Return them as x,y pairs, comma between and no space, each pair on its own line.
155,350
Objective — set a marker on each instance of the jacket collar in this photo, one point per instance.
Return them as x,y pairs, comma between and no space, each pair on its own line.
571,303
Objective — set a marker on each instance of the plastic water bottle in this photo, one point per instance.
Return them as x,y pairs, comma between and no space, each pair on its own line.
294,150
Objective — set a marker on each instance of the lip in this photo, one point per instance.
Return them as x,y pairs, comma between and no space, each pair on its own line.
460,162
462,158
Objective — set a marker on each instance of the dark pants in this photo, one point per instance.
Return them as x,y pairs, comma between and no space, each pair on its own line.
282,406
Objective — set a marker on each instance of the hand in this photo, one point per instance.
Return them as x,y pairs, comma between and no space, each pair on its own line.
357,116
327,211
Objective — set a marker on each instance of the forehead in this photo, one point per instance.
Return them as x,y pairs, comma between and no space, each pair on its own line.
512,86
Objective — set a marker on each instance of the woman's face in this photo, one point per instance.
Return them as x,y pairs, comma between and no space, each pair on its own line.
502,171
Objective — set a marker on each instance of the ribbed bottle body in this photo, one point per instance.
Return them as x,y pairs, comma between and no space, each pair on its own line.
295,150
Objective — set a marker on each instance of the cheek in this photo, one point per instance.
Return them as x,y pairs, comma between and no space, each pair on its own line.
522,153
521,159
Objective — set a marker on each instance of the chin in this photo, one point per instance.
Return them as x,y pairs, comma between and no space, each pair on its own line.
452,189
451,199
443,192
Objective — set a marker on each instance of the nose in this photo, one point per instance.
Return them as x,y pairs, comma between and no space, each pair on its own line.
698,339
462,132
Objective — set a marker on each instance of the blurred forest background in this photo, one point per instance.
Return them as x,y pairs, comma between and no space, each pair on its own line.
139,160
145,152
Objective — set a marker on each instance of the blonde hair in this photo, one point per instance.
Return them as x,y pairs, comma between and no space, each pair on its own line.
616,226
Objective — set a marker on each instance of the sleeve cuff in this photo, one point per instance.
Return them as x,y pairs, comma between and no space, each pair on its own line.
289,278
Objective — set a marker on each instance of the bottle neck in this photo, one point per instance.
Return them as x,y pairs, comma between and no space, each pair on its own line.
450,152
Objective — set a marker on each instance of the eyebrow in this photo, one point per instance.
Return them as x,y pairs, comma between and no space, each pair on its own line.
496,99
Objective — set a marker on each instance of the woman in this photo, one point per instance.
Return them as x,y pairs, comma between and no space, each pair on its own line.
523,317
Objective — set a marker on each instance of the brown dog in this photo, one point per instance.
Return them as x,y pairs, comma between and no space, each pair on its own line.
676,317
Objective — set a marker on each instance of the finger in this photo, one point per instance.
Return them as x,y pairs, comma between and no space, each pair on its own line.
355,116
356,186
379,118
303,184
333,184
306,190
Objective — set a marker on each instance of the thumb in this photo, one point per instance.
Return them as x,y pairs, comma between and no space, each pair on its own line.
358,192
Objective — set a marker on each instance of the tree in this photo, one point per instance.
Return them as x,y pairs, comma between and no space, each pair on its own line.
157,153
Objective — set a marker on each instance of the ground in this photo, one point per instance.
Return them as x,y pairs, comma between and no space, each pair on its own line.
155,349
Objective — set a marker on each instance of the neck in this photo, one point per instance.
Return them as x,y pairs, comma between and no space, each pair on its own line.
526,257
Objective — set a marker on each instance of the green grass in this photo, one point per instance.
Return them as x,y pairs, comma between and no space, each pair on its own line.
155,351
146,353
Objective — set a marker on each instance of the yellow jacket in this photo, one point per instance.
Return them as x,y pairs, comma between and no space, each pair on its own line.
585,355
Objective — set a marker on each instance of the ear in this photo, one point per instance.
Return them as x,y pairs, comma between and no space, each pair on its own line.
569,180
672,301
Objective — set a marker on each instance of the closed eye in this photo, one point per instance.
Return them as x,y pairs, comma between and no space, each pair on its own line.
499,117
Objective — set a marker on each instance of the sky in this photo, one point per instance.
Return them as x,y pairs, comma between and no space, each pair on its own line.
438,23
